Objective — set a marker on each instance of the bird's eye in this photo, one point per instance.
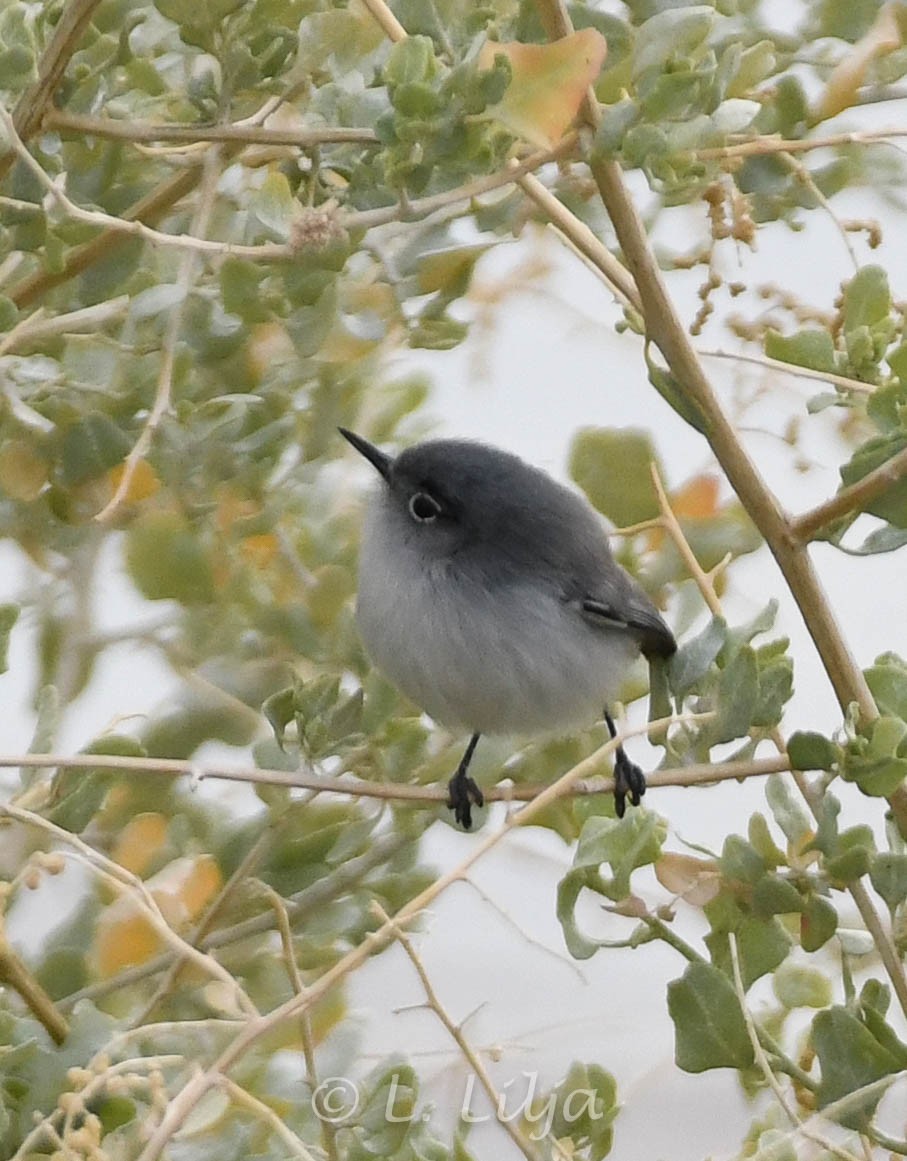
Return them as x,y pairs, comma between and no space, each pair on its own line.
424,508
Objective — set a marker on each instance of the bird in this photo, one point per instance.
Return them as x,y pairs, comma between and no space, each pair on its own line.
488,594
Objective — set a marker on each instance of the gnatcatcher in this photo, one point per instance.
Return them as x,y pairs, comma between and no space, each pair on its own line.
488,594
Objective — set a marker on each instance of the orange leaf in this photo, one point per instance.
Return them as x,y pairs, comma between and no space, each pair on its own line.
547,84
260,550
139,841
697,498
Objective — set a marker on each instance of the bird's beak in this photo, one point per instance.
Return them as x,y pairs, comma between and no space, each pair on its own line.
379,460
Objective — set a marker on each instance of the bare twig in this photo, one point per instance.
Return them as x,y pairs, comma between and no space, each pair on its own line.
242,134
764,145
125,882
30,107
245,1100
792,369
513,1130
704,774
579,234
193,1091
854,498
389,23
670,522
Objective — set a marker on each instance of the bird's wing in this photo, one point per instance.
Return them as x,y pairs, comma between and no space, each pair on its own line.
637,615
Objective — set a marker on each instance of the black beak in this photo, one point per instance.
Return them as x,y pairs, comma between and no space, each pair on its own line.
379,460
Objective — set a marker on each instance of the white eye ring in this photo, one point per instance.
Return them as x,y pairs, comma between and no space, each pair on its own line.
423,508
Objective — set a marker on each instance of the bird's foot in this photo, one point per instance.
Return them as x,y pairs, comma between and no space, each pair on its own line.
628,780
462,794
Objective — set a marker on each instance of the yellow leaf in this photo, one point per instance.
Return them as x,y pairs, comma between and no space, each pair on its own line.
260,550
139,842
143,483
547,84
125,938
884,37
23,470
695,880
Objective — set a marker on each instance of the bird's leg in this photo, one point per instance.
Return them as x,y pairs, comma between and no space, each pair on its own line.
628,778
463,791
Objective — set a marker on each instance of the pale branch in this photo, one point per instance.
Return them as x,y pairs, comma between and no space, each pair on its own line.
764,145
765,1067
386,20
241,134
704,774
134,223
806,179
173,331
15,975
666,330
672,525
195,1089
854,498
843,381
455,1031
32,103
302,905
269,1118
582,238
205,924
124,882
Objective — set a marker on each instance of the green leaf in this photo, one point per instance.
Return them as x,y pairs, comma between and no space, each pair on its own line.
166,561
279,710
807,348
694,657
818,923
798,986
786,810
811,751
661,379
887,680
850,1058
673,34
9,614
888,875
709,1028
867,298
762,944
773,895
740,861
738,688
891,505
91,447
274,206
613,468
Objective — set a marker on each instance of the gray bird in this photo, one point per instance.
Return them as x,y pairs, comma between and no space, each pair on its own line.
488,594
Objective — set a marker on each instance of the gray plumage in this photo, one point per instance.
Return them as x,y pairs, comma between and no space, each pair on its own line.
489,595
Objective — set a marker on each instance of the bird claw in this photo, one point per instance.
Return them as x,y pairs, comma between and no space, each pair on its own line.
463,794
628,780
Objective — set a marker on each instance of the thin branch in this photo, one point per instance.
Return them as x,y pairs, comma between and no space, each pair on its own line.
267,1116
670,522
241,134
386,20
704,774
766,1069
580,236
806,179
194,1090
513,1130
30,107
762,146
162,396
792,369
126,883
854,498
300,907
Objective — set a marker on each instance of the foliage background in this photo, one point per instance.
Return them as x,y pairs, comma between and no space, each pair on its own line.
307,175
